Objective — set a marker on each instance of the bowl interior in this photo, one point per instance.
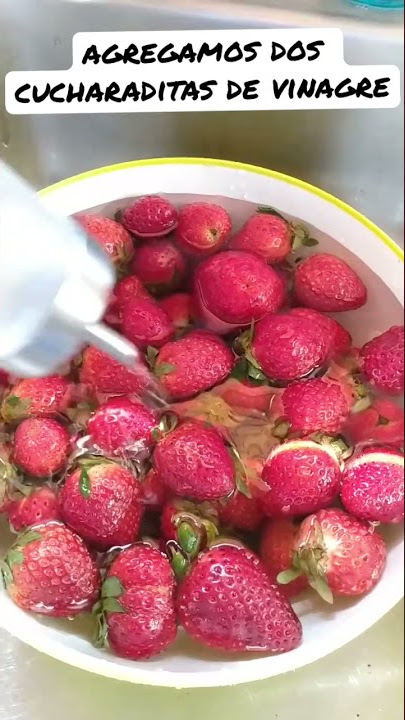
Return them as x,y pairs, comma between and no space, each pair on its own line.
325,628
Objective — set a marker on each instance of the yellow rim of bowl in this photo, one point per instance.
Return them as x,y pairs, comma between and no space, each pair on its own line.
210,162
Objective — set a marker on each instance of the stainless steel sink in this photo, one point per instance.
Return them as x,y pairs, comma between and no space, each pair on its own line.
356,155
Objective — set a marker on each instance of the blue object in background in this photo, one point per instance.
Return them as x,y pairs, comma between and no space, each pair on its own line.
382,4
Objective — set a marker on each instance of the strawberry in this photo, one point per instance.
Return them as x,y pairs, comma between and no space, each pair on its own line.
373,485
240,511
150,216
47,396
246,397
316,405
41,446
339,554
128,288
276,552
228,602
104,374
101,501
382,361
265,234
180,309
325,282
287,347
191,525
193,461
137,609
383,422
121,426
49,570
340,338
4,379
234,288
203,228
110,235
193,364
154,493
145,323
160,265
39,506
302,477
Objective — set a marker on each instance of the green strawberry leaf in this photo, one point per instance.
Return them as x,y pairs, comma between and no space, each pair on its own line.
240,369
310,242
264,210
101,635
111,604
111,588
168,422
28,537
6,574
287,576
322,588
280,429
151,355
255,373
84,483
240,472
156,434
13,401
164,369
179,564
14,557
188,539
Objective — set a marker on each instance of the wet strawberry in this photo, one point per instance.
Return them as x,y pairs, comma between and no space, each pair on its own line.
154,492
382,422
340,338
382,361
193,364
137,604
150,216
373,486
45,396
145,323
41,446
104,374
191,525
240,511
265,234
339,554
203,228
276,552
316,406
127,289
39,506
234,288
110,235
301,477
287,347
122,426
102,503
193,462
325,282
180,309
49,570
228,602
160,265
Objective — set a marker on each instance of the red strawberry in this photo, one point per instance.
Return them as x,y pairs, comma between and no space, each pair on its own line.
179,309
373,486
316,406
102,503
382,361
340,338
193,461
160,265
287,347
240,512
145,323
192,526
302,477
325,282
110,235
41,505
203,228
193,364
41,446
383,422
121,426
265,234
104,374
228,602
339,554
150,216
234,288
138,604
45,396
127,289
154,493
245,397
50,571
276,552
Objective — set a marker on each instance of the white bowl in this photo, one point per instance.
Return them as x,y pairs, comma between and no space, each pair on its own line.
378,260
